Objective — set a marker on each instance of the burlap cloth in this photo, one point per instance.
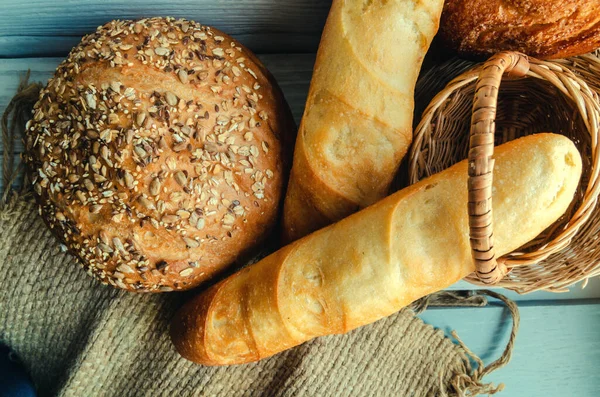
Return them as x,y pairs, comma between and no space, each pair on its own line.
76,337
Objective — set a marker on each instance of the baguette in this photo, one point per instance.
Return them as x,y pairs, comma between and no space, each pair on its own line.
377,261
357,124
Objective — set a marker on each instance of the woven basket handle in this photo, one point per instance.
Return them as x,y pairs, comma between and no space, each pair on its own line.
481,164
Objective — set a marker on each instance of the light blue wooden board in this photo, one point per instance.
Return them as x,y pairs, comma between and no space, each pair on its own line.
293,72
41,27
557,350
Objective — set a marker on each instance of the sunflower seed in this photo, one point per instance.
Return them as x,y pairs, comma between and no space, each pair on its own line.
91,100
146,203
140,118
129,93
164,288
186,272
60,216
81,196
183,76
171,163
104,153
191,243
162,143
115,86
94,209
218,52
201,223
222,120
119,245
129,136
140,151
105,248
104,237
180,146
160,206
99,178
125,269
180,178
155,187
106,135
88,184
161,51
228,219
128,180
183,214
171,98
170,218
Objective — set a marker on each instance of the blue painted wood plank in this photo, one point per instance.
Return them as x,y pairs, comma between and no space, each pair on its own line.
557,350
42,28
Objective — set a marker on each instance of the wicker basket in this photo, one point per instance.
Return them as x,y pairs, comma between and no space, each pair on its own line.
535,96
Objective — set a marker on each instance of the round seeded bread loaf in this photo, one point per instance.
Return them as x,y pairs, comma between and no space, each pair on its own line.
158,153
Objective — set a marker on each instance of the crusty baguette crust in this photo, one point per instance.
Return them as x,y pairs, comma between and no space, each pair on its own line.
378,260
357,124
541,28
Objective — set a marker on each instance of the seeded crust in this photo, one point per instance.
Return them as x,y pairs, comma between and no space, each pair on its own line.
157,153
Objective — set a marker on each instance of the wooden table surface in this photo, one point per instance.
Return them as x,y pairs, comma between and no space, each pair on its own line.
557,351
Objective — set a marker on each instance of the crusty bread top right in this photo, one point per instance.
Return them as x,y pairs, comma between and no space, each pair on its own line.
541,28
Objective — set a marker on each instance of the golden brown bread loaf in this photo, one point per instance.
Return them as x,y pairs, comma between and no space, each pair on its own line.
540,28
357,124
377,261
156,152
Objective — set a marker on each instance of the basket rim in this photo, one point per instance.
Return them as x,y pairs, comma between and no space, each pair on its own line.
586,100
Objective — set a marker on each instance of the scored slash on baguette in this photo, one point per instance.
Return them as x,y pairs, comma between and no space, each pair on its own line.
377,261
357,124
